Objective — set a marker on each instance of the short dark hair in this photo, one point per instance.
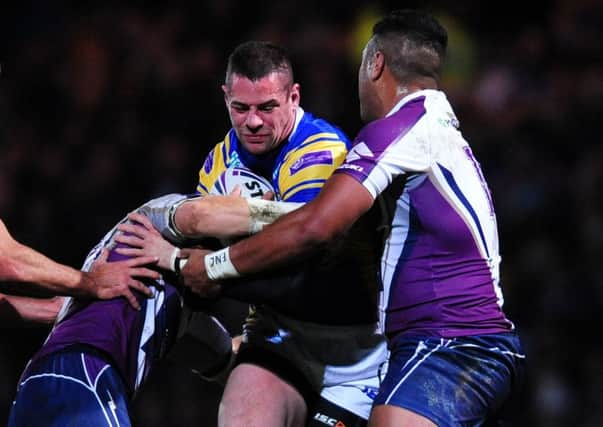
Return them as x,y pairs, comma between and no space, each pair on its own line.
257,59
413,43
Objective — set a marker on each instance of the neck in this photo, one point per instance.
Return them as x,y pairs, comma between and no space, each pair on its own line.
402,90
291,124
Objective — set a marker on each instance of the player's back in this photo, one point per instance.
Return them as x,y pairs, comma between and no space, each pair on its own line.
131,339
440,263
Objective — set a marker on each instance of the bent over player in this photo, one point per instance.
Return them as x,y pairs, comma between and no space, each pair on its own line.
99,352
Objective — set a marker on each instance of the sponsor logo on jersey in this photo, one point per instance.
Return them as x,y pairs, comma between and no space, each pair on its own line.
235,161
352,167
324,157
371,392
450,121
325,419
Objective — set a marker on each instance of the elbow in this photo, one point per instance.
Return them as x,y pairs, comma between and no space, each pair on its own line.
189,215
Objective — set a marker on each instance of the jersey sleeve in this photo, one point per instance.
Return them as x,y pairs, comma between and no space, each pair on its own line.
305,170
389,147
214,165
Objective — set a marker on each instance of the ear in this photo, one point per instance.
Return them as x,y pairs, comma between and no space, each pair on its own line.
376,66
294,94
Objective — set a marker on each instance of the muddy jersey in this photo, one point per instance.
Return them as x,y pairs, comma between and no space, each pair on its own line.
131,339
440,263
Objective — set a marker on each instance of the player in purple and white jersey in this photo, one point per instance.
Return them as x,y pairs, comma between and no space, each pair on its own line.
455,357
99,352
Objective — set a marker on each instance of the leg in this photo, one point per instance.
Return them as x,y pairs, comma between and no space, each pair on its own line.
392,416
255,397
451,382
70,388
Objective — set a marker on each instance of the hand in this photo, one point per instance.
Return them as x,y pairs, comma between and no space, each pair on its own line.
107,280
144,240
194,275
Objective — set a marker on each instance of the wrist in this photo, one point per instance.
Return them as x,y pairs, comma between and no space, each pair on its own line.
179,265
173,259
176,262
86,285
219,266
172,226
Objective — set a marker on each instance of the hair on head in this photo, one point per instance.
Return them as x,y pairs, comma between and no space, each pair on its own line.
414,43
257,59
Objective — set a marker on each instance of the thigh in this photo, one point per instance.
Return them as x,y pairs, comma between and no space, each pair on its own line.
271,344
452,382
70,389
394,416
255,397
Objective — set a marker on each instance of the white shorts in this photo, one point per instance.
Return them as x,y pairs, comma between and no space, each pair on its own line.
340,363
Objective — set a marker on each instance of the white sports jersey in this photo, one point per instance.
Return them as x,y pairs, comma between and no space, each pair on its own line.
440,265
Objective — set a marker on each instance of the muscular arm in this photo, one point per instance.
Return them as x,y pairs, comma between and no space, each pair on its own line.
340,203
208,216
21,263
227,216
15,309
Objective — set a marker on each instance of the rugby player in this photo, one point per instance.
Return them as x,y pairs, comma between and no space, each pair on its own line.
312,328
100,352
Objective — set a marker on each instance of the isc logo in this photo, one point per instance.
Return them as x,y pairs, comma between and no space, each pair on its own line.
328,420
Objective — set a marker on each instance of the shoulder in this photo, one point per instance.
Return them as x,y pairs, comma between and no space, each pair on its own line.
398,123
223,151
311,128
219,158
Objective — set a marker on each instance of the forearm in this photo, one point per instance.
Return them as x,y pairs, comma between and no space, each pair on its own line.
37,310
213,216
30,266
289,237
226,216
340,203
292,235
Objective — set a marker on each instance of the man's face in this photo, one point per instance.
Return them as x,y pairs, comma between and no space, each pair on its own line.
262,112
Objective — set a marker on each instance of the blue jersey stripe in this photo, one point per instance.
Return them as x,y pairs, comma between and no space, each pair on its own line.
457,191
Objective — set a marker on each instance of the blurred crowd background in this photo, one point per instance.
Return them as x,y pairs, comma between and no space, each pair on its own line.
105,105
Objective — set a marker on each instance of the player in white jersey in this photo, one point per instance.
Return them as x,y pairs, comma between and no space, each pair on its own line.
456,359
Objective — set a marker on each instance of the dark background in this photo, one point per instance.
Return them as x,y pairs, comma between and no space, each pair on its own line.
103,106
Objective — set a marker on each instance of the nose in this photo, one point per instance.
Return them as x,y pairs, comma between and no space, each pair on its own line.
253,121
